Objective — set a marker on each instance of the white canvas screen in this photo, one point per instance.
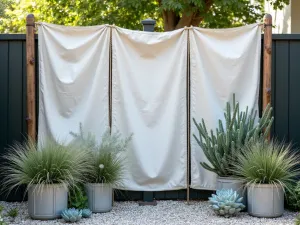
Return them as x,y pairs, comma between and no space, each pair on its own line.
223,62
149,100
73,70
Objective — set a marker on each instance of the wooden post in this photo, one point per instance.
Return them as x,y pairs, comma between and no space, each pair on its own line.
267,60
30,63
149,24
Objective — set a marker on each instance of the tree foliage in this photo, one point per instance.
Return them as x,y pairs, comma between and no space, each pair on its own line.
169,14
4,4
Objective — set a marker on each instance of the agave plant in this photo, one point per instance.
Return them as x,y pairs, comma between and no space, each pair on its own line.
226,203
264,162
86,213
222,145
51,163
71,215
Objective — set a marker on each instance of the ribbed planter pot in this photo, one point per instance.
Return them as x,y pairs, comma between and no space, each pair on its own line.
47,203
234,184
99,197
265,200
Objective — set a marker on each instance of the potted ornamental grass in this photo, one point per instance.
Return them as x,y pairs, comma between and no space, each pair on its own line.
268,169
222,145
48,170
107,171
106,167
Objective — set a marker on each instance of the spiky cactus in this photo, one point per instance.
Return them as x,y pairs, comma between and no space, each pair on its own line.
221,147
226,203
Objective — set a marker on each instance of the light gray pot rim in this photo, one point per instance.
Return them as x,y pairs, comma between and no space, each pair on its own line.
35,187
234,179
47,185
265,186
99,184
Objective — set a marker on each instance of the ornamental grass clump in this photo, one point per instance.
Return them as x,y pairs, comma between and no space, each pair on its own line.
51,163
107,160
264,162
222,145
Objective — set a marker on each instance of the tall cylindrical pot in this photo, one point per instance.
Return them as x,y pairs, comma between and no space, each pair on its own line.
99,197
48,202
265,200
234,184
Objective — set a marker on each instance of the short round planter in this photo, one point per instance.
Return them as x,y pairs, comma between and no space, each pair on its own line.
265,200
99,197
47,203
234,184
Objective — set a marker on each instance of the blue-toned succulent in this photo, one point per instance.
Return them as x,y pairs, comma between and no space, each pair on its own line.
86,213
71,215
226,203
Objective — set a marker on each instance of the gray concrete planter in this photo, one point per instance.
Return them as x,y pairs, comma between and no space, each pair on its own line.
99,197
265,200
234,184
48,203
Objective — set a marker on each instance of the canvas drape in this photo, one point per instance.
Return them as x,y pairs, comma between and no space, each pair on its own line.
149,100
73,85
222,62
148,92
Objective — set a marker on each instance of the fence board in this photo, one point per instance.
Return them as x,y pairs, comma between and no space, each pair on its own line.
15,85
4,54
294,88
273,83
281,104
24,80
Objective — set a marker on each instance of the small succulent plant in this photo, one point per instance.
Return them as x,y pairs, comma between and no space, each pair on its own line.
226,203
71,215
86,213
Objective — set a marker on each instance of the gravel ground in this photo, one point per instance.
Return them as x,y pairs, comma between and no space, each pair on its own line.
166,212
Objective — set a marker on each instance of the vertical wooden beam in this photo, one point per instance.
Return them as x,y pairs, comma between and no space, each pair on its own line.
267,60
30,63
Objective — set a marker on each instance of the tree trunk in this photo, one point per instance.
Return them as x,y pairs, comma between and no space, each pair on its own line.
170,20
173,21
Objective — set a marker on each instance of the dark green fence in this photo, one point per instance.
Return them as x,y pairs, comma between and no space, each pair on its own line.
286,87
285,99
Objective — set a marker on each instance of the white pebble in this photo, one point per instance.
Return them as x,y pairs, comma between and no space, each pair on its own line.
166,212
